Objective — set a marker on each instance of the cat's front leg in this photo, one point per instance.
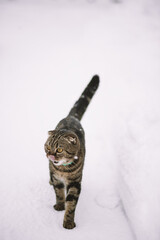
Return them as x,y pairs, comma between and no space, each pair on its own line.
73,191
60,195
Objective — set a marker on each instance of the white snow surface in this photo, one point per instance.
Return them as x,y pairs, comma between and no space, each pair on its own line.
49,50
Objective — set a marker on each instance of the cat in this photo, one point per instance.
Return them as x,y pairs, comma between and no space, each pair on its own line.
65,149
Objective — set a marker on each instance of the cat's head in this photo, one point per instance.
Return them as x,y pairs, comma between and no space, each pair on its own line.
62,147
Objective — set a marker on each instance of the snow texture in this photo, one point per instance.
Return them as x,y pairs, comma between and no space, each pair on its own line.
49,50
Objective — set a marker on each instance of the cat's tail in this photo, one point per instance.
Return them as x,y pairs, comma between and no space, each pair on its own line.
81,105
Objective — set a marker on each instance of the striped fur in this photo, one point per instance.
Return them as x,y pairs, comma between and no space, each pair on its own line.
65,148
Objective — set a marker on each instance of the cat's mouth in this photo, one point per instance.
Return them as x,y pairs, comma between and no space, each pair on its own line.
56,162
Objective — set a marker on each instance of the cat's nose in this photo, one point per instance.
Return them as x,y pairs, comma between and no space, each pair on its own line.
51,157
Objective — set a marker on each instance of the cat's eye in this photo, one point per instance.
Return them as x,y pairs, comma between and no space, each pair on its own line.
48,147
59,150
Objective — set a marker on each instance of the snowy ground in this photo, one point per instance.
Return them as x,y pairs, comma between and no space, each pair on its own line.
49,50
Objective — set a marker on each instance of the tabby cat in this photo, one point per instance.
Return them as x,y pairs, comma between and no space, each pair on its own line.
65,149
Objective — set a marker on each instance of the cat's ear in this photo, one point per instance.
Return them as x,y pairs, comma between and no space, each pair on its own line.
72,139
52,132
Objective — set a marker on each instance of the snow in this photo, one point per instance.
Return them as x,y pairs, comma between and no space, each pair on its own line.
49,52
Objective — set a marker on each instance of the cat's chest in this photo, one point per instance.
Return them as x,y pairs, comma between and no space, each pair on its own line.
62,177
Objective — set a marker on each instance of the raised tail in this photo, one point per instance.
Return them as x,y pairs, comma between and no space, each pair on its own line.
81,105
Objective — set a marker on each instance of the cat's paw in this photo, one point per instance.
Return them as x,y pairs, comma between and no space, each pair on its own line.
59,207
69,224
